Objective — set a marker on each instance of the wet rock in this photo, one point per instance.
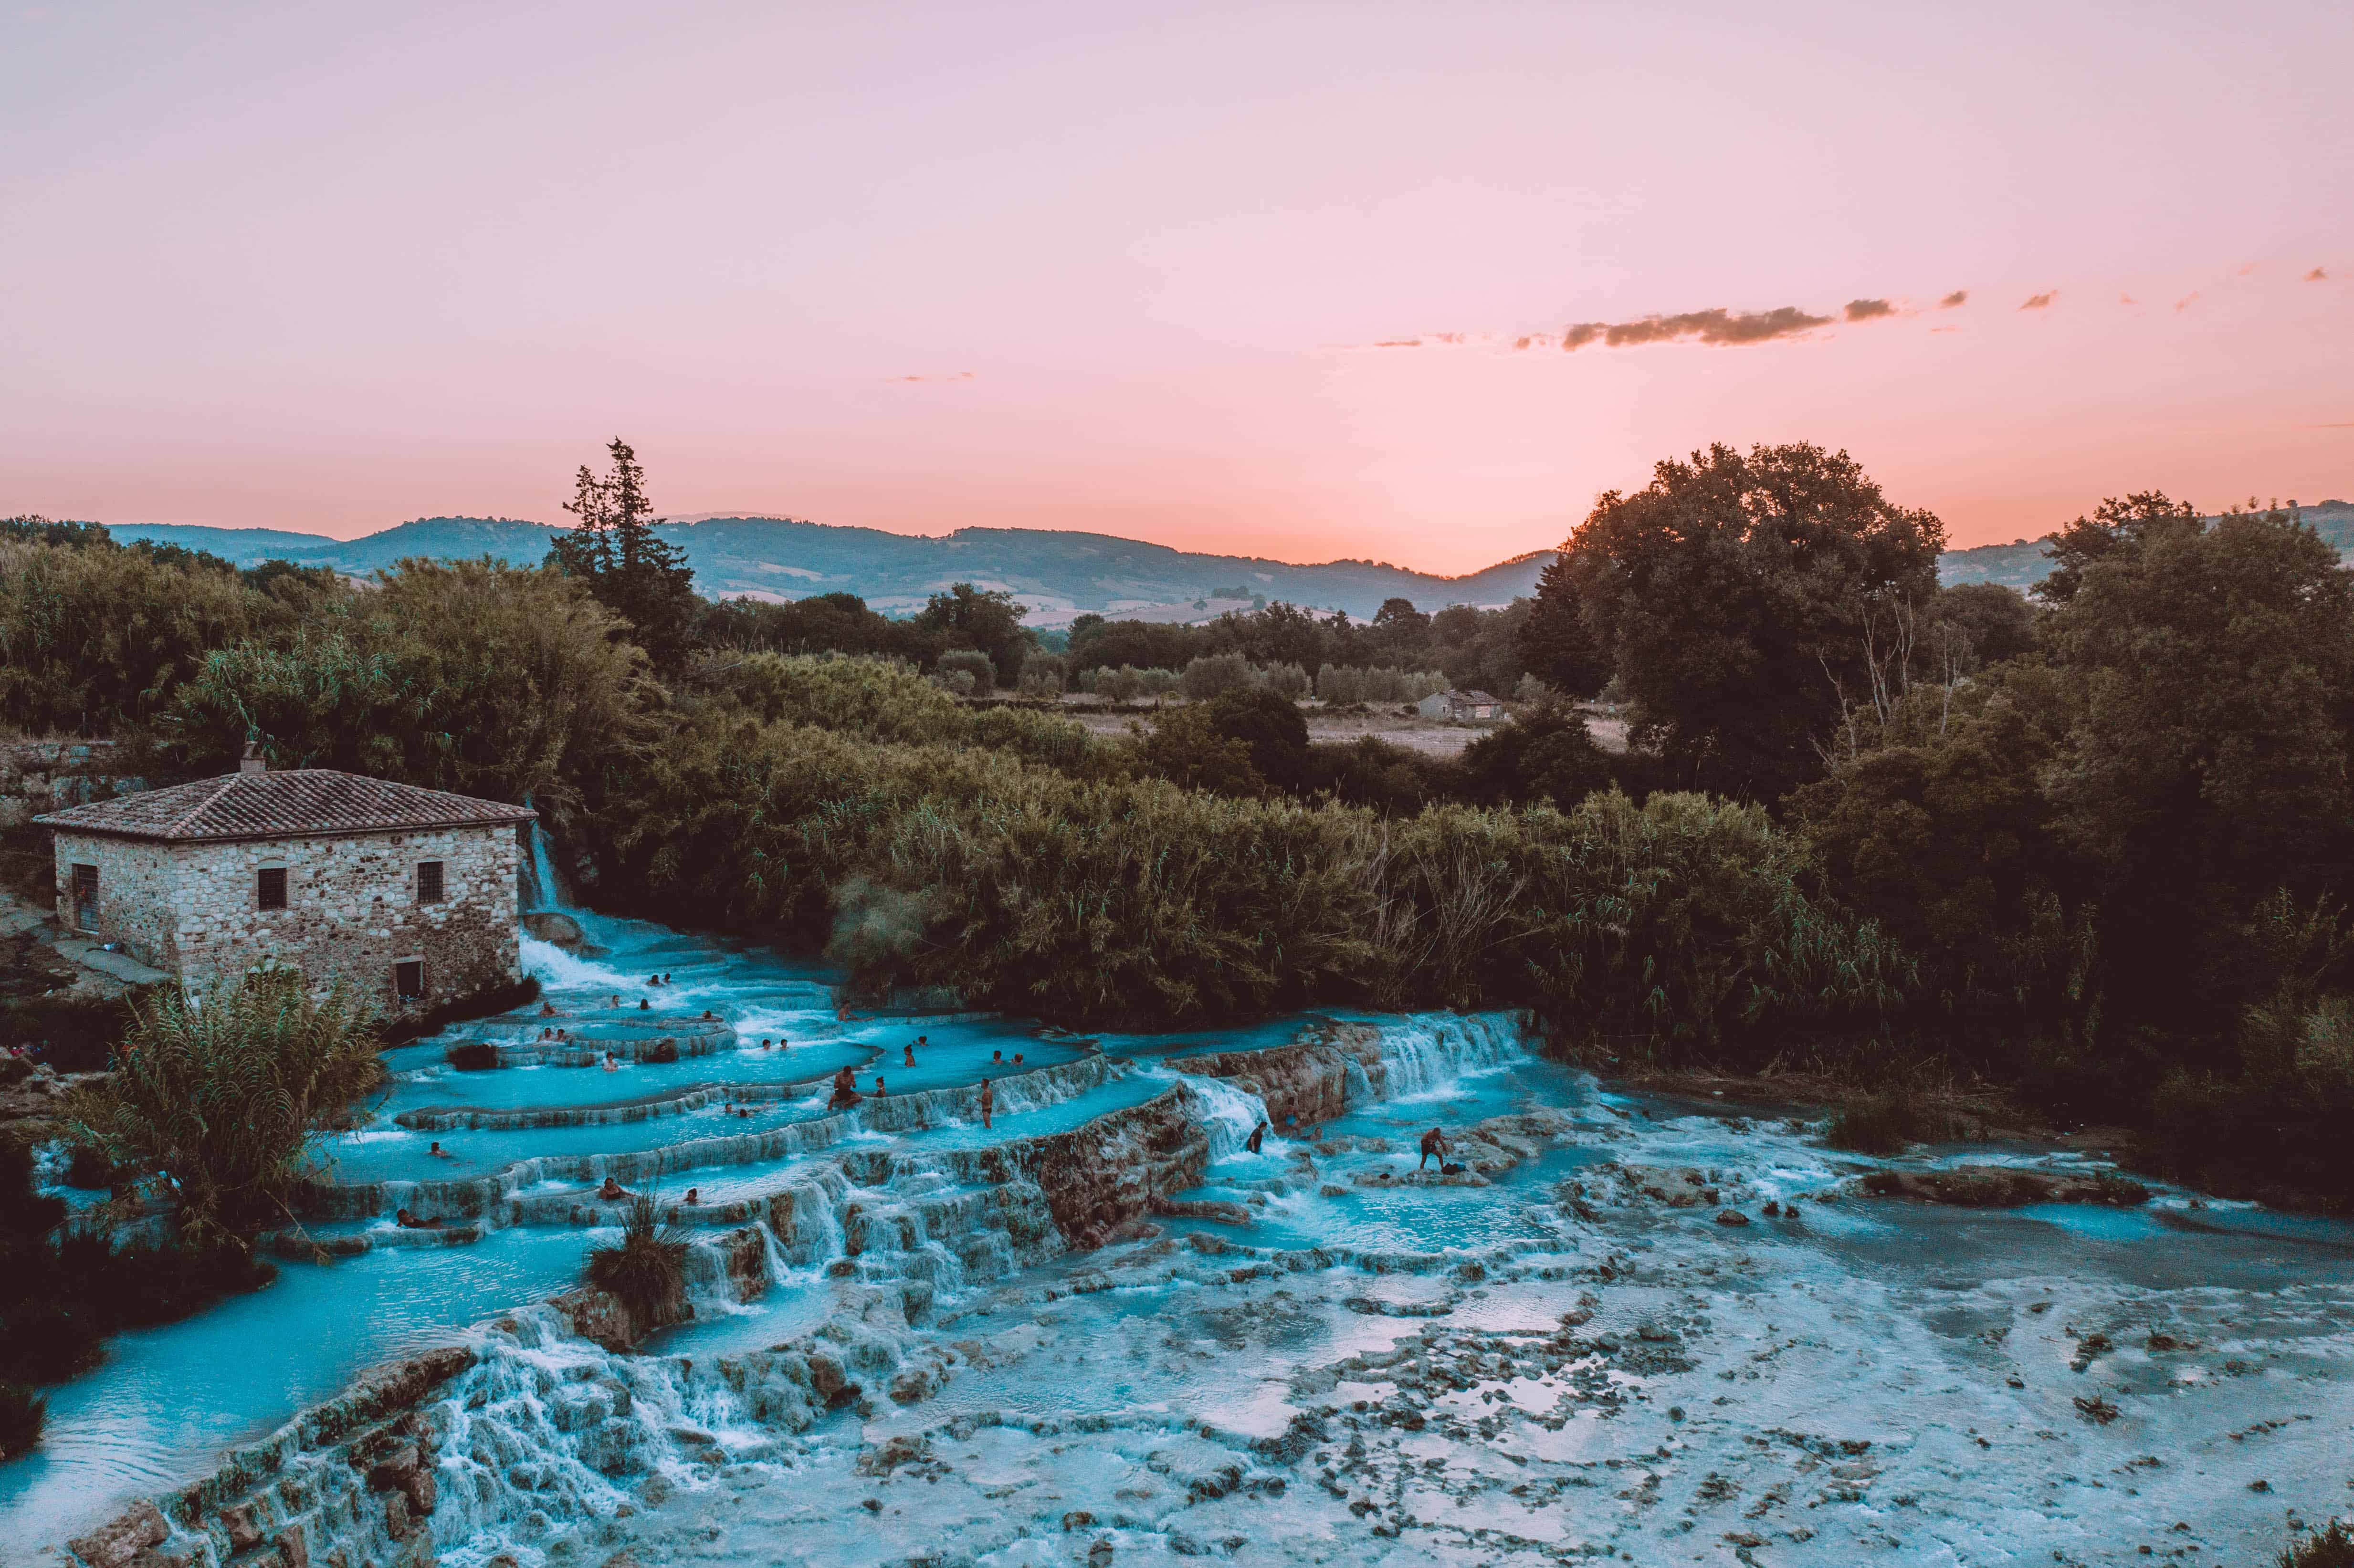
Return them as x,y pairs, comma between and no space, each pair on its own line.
114,1543
1730,1217
550,926
2002,1187
238,1524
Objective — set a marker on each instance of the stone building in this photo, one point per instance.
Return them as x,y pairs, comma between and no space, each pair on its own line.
1462,706
407,895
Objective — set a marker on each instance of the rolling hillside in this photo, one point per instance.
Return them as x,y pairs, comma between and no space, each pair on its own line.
1058,575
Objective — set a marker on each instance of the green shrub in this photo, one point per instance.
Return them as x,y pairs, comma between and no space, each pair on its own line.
971,663
224,1095
1887,1124
1044,674
1213,674
648,1270
22,1412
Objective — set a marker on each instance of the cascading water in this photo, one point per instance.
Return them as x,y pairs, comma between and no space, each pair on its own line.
543,885
1101,1323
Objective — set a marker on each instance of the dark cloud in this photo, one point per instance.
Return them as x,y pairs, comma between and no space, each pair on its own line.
1958,297
2316,276
1718,328
1869,310
2041,301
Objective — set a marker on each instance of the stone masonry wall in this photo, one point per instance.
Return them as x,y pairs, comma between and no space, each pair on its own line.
351,910
135,895
350,906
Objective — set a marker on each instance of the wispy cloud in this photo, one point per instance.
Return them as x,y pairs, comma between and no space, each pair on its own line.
960,376
2041,301
2316,276
1958,297
1717,328
1868,310
2187,300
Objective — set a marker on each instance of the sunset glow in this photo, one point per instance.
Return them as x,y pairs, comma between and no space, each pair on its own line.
1407,283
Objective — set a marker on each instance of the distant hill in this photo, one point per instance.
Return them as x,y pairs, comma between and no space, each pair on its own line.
1059,575
2020,564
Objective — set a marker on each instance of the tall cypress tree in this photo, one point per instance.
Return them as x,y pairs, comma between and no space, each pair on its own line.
628,567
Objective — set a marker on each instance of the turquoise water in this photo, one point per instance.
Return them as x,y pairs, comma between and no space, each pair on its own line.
1200,1336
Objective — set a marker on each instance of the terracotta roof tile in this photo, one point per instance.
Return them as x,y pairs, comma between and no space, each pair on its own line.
303,802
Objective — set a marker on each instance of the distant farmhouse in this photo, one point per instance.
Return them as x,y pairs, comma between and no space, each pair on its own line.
407,895
1460,706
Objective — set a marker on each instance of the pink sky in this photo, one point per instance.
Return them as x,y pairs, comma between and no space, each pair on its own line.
329,267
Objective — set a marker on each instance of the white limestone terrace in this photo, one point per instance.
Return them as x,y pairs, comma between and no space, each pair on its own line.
1314,1353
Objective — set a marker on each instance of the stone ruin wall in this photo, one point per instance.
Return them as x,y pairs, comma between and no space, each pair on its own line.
38,776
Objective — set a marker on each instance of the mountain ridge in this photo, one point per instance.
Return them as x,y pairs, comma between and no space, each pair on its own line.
1060,574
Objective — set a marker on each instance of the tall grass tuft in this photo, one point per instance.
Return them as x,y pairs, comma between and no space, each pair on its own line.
224,1093
648,1270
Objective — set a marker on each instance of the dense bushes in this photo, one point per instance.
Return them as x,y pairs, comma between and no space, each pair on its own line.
1680,925
648,1270
223,1094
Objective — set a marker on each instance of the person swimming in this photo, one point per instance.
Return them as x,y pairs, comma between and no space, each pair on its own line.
1434,1146
438,1152
644,1006
692,1197
1017,1058
610,1065
997,1058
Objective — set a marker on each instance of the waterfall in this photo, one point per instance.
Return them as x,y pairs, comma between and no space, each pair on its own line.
543,885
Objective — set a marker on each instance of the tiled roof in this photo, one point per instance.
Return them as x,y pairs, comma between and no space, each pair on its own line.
304,803
1476,697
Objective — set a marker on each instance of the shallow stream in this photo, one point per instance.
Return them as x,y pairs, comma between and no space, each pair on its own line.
1314,1355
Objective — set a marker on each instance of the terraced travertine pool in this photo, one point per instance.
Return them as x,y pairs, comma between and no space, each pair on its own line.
906,1346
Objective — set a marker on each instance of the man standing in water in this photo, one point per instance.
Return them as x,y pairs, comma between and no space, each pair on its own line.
1434,1143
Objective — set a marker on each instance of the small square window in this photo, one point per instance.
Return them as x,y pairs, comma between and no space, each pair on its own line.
429,881
409,979
272,887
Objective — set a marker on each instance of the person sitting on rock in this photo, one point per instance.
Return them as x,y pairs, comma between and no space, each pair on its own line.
611,1191
1434,1146
845,1090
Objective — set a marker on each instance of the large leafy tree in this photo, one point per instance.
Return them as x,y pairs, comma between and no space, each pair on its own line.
2211,674
1740,597
967,617
629,569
